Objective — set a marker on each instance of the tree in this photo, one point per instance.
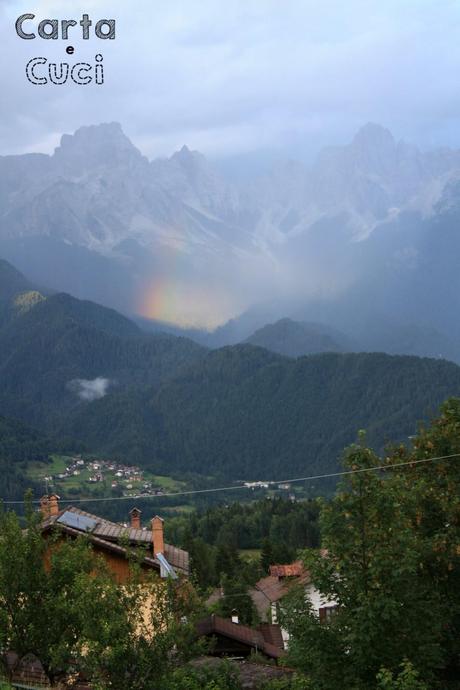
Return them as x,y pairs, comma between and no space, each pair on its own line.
236,598
266,555
407,679
61,603
391,562
202,562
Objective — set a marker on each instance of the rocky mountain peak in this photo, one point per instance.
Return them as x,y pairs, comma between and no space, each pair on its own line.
374,136
189,160
96,145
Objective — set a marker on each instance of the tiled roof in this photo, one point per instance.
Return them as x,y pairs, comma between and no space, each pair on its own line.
107,534
252,637
291,570
275,588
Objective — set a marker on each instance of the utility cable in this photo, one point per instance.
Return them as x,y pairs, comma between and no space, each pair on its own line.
247,485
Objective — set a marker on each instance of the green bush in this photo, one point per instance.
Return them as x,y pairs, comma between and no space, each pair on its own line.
204,678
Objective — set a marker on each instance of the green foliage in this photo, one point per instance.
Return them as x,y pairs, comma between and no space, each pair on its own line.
214,536
19,445
298,682
223,677
61,603
236,599
407,679
392,564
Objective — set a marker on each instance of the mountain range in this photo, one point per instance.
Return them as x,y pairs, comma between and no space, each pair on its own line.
363,240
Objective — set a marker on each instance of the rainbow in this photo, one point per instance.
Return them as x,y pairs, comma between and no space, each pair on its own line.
185,304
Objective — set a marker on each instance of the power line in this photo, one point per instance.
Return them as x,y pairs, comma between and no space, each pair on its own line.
249,485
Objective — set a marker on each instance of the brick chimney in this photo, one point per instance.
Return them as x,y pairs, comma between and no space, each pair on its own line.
45,506
157,535
53,504
135,515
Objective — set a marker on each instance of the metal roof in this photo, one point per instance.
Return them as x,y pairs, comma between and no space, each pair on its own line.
83,523
111,533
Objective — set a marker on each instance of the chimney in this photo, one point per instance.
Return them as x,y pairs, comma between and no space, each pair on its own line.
157,535
235,618
53,505
135,515
45,506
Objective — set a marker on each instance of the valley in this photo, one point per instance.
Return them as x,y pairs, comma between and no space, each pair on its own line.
362,240
186,416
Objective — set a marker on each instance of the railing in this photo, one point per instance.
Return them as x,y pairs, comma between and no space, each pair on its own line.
23,684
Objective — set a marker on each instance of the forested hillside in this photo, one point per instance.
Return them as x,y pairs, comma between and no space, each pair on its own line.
77,370
49,345
242,412
19,445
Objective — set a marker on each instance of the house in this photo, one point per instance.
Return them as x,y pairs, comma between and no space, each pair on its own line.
112,540
268,593
232,639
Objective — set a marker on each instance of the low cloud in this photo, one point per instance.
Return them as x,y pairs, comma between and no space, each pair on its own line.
90,389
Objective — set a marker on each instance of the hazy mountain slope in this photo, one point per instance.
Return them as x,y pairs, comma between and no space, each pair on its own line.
243,412
294,339
60,351
12,281
375,218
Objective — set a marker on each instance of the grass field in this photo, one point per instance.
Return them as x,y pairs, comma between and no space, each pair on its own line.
250,554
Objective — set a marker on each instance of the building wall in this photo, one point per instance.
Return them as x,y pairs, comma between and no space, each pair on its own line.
117,564
316,599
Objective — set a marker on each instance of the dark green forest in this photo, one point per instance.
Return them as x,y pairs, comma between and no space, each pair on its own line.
235,413
19,445
244,413
46,343
215,536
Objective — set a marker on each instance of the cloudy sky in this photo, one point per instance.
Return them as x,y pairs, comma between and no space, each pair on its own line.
239,76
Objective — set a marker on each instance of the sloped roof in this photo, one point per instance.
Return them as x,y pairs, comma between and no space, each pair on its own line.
107,535
276,587
252,637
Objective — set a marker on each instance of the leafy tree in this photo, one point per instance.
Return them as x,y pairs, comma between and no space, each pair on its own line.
407,679
227,560
266,555
236,598
391,562
224,677
202,562
61,603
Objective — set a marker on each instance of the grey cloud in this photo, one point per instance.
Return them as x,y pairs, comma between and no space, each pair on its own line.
239,76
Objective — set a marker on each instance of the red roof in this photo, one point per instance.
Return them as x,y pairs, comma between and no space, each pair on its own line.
291,570
273,587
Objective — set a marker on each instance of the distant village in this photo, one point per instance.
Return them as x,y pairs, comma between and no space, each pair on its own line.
283,486
126,479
